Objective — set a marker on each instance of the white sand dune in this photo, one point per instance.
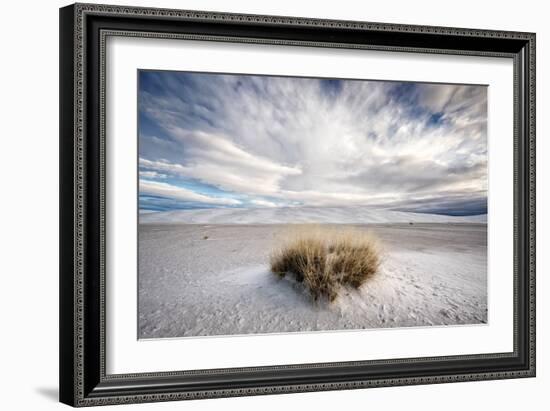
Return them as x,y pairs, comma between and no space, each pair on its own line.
300,215
214,279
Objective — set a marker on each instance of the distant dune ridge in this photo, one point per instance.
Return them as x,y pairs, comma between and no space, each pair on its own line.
301,215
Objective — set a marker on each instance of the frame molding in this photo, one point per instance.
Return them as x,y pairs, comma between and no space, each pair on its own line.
83,32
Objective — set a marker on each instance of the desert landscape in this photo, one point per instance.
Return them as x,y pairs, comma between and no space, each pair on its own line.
207,272
277,203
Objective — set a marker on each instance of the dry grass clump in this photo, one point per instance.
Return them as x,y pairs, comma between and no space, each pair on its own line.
325,259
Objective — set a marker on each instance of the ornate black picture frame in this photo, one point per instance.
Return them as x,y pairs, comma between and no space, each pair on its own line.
83,31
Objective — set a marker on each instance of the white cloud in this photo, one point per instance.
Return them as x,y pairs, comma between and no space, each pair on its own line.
178,193
151,174
263,203
362,142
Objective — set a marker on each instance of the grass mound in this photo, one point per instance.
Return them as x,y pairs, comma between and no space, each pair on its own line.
325,259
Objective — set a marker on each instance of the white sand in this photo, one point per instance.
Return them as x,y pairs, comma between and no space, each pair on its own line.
288,215
189,285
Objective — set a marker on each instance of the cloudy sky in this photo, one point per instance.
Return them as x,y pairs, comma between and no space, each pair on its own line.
211,140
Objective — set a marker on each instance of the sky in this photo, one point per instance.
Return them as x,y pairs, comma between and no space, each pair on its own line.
220,140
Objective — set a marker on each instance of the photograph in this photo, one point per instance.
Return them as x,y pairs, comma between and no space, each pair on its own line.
278,204
264,201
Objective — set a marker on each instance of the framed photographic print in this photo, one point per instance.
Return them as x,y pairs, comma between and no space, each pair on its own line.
261,204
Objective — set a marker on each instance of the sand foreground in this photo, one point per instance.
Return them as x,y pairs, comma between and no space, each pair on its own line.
200,280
